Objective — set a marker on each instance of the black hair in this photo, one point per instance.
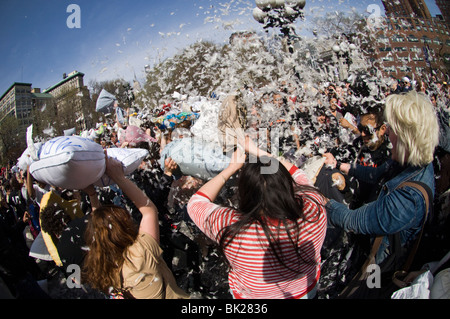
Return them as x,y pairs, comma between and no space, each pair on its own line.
54,220
264,197
377,112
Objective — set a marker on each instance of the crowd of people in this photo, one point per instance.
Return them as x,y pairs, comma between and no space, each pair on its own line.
316,173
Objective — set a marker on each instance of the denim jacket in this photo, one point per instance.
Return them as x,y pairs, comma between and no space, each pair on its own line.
396,210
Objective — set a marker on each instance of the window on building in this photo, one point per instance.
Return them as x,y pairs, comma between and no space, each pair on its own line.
437,41
383,39
425,39
412,38
398,38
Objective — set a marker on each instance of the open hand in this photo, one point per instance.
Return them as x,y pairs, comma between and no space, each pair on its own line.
237,159
114,168
169,166
330,160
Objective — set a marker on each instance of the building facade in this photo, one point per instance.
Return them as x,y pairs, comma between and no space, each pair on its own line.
71,94
20,100
404,8
444,7
412,43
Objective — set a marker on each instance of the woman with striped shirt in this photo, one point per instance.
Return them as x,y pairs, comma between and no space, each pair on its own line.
272,241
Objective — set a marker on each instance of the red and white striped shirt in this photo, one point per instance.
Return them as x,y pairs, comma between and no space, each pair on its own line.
255,272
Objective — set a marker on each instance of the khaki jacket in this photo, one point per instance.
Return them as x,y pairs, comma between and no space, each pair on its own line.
145,273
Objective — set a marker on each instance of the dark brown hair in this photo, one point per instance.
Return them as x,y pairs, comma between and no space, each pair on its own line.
273,196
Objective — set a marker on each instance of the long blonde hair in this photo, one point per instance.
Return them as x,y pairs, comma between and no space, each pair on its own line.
413,119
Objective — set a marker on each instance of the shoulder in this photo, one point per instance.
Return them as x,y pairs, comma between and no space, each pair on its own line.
314,206
146,242
143,254
143,248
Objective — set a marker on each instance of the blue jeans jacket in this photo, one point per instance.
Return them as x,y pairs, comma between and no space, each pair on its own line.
395,210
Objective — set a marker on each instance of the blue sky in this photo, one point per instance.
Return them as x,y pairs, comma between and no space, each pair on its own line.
118,38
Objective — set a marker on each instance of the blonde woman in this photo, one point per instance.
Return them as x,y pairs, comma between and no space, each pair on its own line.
413,130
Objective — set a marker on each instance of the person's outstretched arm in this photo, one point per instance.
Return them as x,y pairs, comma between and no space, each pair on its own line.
212,188
252,149
93,197
149,223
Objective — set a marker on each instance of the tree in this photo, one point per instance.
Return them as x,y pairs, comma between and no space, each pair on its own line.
120,88
338,22
195,71
45,119
12,140
205,67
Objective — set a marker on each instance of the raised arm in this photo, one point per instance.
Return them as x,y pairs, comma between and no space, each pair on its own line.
213,186
93,197
149,222
30,180
252,149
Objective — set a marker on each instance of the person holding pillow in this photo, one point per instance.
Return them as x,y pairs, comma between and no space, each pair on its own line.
125,260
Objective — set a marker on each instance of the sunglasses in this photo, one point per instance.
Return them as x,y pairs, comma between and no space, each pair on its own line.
368,130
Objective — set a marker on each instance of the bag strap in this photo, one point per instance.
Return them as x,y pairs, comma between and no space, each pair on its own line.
375,246
422,188
355,283
426,192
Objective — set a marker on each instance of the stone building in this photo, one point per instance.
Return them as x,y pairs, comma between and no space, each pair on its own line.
20,100
72,95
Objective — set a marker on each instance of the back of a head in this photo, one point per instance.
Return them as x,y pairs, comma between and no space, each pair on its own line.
413,119
53,220
113,225
265,186
110,231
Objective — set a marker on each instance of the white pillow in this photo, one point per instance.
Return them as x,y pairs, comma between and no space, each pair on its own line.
105,102
25,159
69,162
131,158
195,157
70,132
441,285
